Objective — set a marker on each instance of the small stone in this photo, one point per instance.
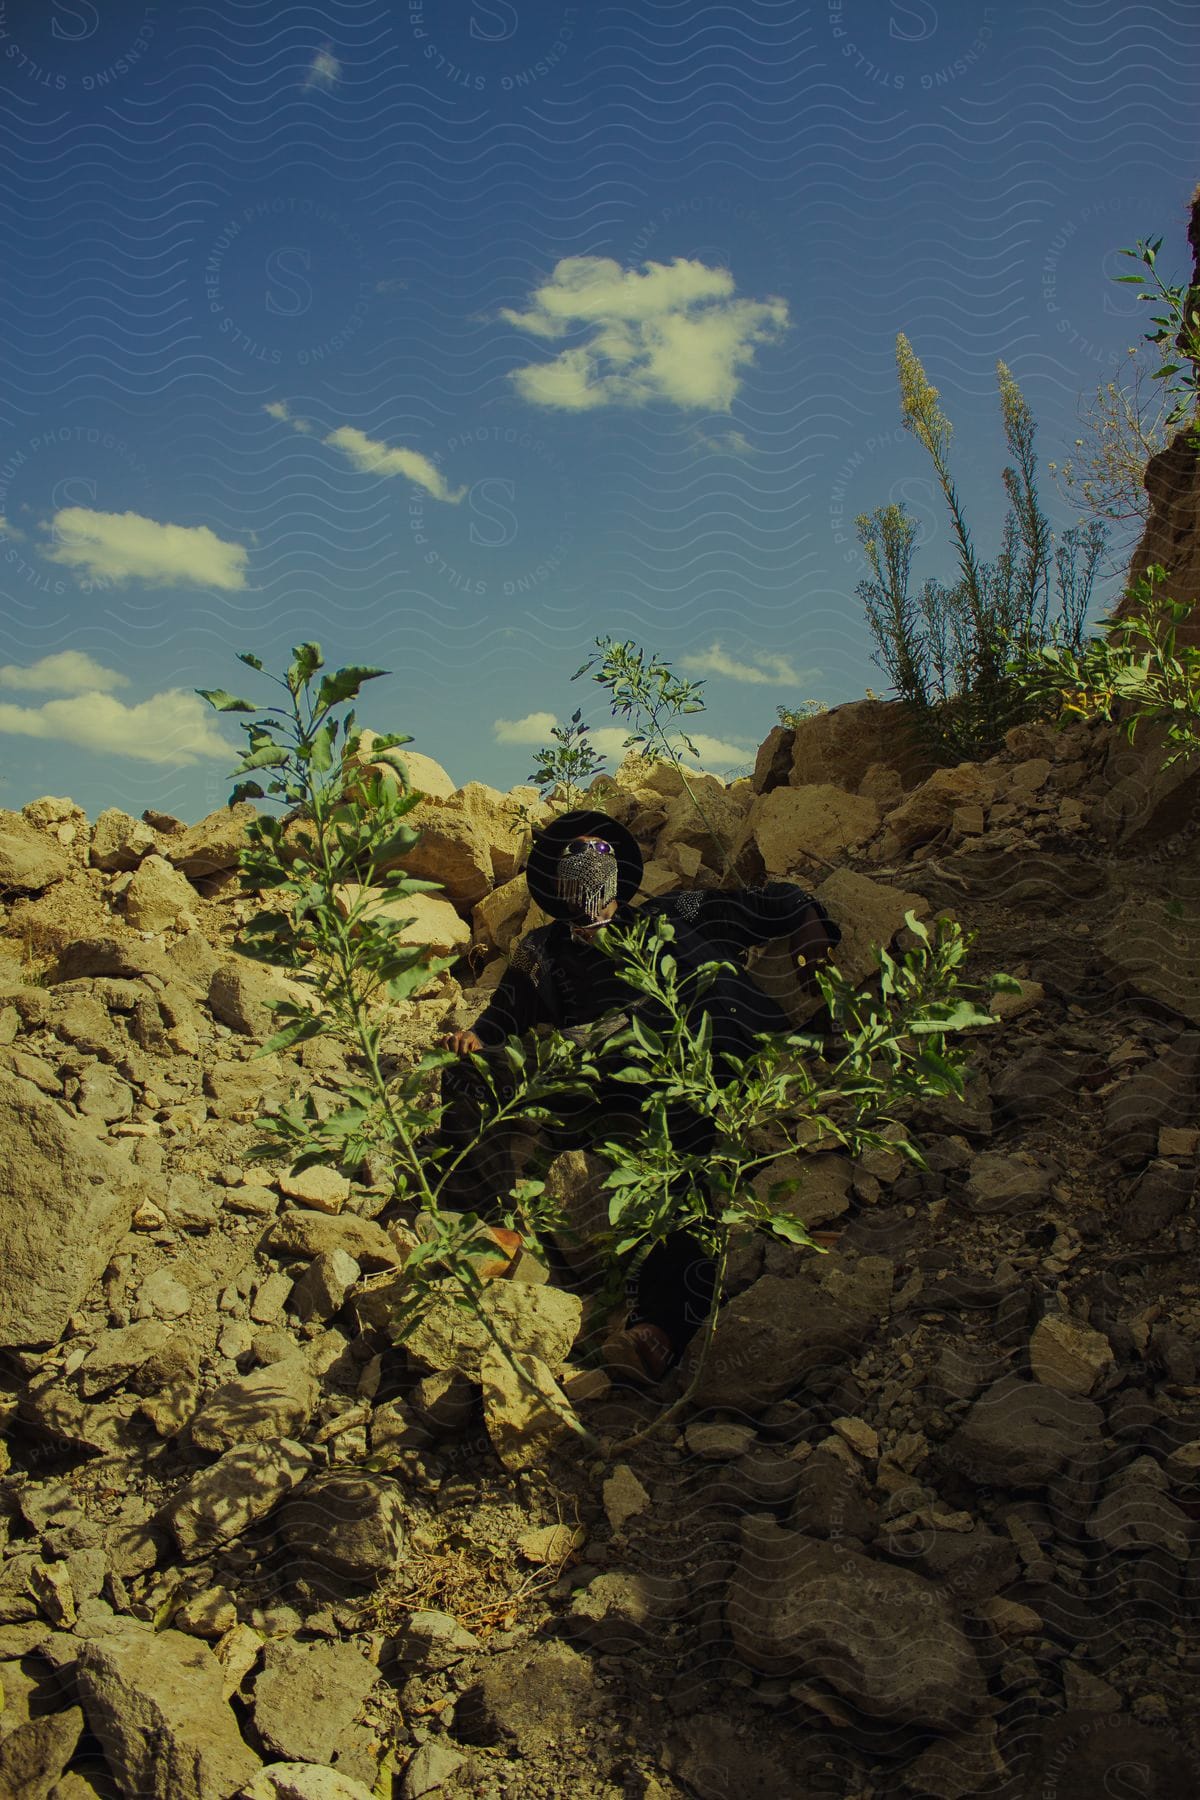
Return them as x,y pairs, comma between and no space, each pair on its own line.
434,1641
862,1438
163,1294
1011,1006
1008,1619
210,1614
237,1652
321,1291
719,1442
50,1584
303,1781
319,1188
430,1769
148,1216
524,1409
1178,1140
624,1497
270,1297
222,1501
1066,1355
550,1545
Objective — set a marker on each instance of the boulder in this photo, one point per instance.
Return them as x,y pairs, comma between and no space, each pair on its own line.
34,1755
1068,1356
403,768
450,850
274,1402
869,912
1151,946
784,1327
311,1234
541,1322
215,844
496,920
840,745
930,809
242,1487
66,1202
157,896
791,824
524,1409
241,992
344,1527
155,1701
711,833
505,835
887,1642
539,1695
422,918
27,863
1020,1434
307,1698
119,841
303,1781
1165,1092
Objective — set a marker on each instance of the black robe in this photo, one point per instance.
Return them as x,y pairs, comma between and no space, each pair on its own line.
555,979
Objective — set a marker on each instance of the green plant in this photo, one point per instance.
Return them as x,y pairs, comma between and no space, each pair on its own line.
1135,674
791,716
337,922
947,647
894,1051
568,766
1178,326
1122,425
649,696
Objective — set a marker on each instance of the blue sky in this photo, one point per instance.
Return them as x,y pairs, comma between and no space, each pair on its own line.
454,335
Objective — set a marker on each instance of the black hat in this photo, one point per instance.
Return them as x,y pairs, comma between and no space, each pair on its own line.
541,872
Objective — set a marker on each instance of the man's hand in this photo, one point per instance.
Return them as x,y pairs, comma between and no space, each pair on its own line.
463,1043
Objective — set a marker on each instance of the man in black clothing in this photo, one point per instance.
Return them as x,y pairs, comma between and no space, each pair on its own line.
583,870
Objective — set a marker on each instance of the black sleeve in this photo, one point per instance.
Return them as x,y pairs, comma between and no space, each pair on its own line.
522,998
743,917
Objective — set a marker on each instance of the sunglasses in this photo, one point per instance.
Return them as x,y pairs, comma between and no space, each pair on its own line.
579,845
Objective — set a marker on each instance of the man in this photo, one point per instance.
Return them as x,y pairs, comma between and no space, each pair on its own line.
584,870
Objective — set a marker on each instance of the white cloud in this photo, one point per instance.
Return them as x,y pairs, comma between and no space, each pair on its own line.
64,672
375,458
171,728
127,547
534,728
725,443
714,753
677,333
764,668
9,530
324,70
278,409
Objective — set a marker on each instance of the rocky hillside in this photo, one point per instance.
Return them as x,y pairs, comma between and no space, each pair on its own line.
932,1530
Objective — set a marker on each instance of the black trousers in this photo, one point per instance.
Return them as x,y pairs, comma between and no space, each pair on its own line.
674,1283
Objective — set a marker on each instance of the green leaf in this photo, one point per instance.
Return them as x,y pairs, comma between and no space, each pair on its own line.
246,790
344,684
307,659
226,702
297,1032
269,757
251,661
321,755
784,1226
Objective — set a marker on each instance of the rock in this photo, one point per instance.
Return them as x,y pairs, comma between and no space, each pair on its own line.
237,1652
959,1767
65,1203
822,1191
420,918
1006,1184
1160,1194
1066,1355
541,1322
451,850
929,810
243,1486
429,1769
783,1327
790,824
869,913
496,919
157,896
119,841
116,1355
215,844
541,1696
154,1700
321,1291
842,744
624,1498
1080,1755
1150,947
620,1613
862,1438
1011,1006
406,769
34,1755
549,1546
207,1615
523,1408
274,1402
830,1499
721,1441
434,1642
346,1526
773,764
320,1188
1135,1514
1041,1084
1019,1434
240,993
884,1639
164,1294
1165,1092
307,1698
301,1234
27,863
303,1781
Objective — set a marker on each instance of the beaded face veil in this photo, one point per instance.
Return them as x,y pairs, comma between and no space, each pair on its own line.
587,875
